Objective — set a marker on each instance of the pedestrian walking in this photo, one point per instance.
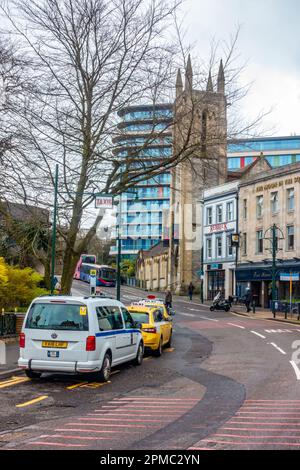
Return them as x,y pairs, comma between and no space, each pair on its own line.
168,299
191,290
248,299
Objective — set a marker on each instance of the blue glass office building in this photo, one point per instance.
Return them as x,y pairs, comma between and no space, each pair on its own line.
278,151
141,221
146,129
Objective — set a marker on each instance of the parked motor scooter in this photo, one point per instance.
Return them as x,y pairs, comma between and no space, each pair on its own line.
220,304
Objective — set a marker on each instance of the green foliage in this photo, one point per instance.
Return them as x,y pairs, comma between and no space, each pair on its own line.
18,286
128,267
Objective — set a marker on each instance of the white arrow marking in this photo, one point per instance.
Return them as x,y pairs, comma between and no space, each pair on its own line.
296,369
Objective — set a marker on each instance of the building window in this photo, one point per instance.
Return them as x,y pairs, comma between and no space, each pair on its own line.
259,242
229,246
245,209
290,237
290,199
209,247
219,246
219,214
259,206
274,202
209,216
244,244
229,210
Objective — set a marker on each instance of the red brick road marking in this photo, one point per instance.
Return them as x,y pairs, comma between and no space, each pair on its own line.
270,428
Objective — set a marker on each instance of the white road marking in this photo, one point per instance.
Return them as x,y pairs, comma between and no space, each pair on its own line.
206,318
191,303
278,348
258,334
185,314
279,331
238,326
296,369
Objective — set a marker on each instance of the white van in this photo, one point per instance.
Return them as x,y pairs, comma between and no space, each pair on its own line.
78,335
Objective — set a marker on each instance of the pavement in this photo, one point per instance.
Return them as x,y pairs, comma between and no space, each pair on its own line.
266,314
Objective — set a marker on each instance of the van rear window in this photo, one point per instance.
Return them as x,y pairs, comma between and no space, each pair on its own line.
50,316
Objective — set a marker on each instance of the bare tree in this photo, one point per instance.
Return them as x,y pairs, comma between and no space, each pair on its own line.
87,60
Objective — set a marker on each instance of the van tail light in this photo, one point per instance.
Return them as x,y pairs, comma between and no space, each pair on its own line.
149,330
22,340
91,343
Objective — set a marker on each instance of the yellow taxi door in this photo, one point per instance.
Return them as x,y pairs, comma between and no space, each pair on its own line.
161,325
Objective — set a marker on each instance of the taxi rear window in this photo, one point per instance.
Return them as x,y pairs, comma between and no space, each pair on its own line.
141,317
54,316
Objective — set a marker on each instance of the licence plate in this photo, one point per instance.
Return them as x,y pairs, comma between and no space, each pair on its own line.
55,344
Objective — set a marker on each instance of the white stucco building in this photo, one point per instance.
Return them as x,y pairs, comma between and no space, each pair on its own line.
220,210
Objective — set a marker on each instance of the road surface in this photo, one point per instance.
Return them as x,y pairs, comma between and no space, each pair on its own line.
228,382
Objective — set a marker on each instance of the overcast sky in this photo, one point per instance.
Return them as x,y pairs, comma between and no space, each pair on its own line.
269,40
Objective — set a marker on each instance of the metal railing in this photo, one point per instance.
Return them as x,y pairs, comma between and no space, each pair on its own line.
8,322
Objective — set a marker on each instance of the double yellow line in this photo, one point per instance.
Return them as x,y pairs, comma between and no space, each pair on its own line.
13,381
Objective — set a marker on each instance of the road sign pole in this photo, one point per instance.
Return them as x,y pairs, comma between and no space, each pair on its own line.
93,281
53,250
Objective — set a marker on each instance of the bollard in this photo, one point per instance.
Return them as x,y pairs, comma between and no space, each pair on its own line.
298,311
253,307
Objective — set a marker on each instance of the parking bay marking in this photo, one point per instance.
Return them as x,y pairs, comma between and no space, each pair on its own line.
13,381
88,384
32,402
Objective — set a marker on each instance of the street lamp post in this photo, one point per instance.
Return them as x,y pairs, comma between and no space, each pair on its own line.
119,251
274,251
273,239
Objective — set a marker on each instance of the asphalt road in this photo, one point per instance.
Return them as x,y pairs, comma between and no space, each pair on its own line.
228,382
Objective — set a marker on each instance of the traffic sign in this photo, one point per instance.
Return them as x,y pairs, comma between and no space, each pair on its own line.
103,201
93,272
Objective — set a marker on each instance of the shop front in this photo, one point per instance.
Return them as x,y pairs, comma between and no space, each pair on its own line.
259,279
215,280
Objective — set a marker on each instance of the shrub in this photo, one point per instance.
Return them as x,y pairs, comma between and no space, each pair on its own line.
18,286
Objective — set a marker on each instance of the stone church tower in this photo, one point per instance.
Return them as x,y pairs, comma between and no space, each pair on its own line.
200,141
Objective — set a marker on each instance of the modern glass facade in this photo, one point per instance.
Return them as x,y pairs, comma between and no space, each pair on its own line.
279,151
145,129
148,128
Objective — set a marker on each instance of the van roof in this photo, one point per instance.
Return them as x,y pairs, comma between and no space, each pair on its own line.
83,299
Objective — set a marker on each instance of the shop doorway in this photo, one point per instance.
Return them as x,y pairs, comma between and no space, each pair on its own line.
216,283
256,292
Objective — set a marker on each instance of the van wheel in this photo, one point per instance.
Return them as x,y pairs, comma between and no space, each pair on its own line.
169,343
139,355
33,375
211,308
104,373
158,351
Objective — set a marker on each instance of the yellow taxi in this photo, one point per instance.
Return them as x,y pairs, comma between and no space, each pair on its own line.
156,328
158,303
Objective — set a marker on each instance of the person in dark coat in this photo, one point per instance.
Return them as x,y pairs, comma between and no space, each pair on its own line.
248,299
168,299
191,290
